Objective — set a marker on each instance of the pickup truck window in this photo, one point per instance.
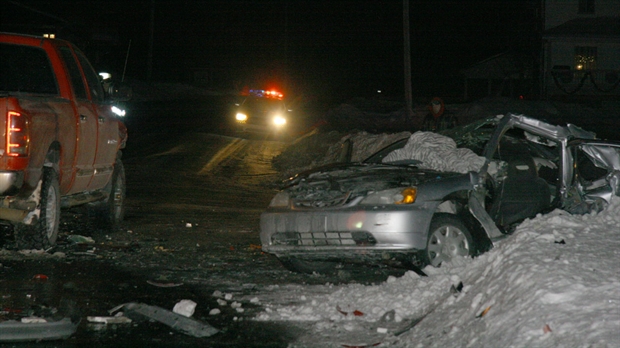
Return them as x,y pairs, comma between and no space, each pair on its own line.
92,79
26,69
74,73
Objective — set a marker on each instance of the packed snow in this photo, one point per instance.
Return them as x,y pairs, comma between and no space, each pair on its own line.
555,282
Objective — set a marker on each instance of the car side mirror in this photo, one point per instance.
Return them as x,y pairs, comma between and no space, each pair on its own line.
120,91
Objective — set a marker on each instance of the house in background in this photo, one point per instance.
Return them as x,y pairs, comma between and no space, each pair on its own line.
507,74
581,51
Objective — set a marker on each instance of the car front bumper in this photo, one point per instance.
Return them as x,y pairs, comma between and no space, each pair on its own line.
344,233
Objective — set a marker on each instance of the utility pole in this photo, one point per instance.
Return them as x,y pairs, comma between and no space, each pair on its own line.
149,61
407,61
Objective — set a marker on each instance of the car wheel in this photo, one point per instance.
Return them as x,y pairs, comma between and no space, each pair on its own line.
110,213
44,232
304,266
447,238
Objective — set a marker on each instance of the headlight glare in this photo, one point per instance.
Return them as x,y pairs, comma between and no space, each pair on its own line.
241,117
279,120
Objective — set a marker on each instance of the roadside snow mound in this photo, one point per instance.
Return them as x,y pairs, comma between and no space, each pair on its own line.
324,148
437,152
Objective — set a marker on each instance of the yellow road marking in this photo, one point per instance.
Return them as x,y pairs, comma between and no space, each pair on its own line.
222,155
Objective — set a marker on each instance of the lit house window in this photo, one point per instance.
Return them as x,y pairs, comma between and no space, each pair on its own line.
585,58
586,6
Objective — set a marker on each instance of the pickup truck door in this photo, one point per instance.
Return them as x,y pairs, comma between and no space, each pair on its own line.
86,123
107,128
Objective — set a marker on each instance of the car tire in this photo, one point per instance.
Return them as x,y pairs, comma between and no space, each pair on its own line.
448,237
43,233
308,267
109,213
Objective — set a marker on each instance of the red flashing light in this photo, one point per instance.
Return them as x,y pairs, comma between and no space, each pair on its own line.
16,134
261,93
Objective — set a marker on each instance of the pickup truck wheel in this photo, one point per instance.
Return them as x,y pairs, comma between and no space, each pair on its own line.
43,232
111,212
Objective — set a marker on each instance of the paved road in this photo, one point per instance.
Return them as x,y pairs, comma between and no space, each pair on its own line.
194,198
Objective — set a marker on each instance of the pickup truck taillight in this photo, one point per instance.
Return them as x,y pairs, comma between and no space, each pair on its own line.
17,138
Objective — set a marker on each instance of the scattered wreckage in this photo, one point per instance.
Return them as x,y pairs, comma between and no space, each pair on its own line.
430,197
52,324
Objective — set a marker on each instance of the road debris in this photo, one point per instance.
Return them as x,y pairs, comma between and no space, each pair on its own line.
163,285
77,239
355,312
185,308
40,277
18,331
484,312
61,325
116,319
188,326
33,320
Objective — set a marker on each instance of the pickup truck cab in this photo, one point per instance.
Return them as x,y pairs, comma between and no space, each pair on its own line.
61,144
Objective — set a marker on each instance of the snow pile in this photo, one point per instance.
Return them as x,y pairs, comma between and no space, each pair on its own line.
554,283
437,152
319,149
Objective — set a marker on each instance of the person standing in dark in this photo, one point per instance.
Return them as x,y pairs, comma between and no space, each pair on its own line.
438,117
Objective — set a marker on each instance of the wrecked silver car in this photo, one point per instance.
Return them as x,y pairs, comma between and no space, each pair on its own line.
430,197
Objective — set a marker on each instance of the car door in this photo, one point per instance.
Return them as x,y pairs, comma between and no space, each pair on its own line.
596,173
86,140
107,127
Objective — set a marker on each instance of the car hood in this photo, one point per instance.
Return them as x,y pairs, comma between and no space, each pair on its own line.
340,184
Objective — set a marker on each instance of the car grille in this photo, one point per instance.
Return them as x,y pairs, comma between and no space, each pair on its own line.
323,239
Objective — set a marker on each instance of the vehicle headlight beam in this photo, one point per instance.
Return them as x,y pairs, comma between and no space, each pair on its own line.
241,117
279,121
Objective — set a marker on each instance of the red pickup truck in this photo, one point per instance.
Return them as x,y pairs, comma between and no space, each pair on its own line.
60,144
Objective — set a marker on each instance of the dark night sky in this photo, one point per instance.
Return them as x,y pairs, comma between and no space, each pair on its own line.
307,45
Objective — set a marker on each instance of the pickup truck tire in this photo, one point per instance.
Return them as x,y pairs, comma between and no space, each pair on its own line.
108,214
43,233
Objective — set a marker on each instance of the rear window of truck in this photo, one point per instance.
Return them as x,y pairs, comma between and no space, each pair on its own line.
26,69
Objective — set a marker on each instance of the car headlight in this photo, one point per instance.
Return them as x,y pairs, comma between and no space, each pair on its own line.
280,200
399,195
241,117
118,111
279,121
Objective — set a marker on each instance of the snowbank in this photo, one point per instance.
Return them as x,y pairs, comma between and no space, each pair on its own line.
553,283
